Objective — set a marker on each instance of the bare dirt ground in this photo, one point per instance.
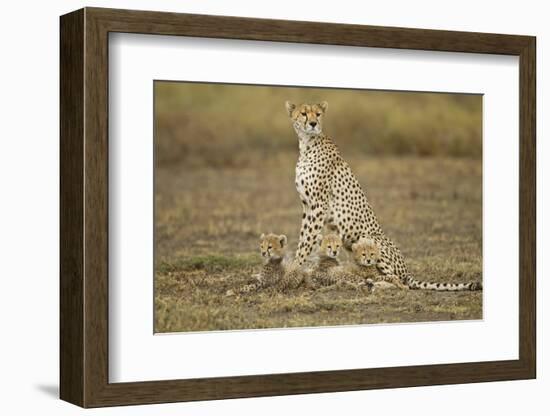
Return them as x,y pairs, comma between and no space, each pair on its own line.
208,222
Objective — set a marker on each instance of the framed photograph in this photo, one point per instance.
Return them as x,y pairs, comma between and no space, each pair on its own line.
255,207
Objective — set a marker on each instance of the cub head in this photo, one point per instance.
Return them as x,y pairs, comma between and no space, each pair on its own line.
307,118
272,246
366,252
330,246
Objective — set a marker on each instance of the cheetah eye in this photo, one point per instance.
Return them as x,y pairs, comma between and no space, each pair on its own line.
269,248
329,247
304,114
372,254
318,114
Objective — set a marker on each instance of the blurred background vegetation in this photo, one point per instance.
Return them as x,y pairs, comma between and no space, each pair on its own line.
235,125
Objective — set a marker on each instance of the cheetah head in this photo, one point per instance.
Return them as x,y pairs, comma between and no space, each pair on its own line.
330,246
366,252
272,246
307,118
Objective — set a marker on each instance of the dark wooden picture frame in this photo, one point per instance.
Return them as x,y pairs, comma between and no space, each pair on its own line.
84,207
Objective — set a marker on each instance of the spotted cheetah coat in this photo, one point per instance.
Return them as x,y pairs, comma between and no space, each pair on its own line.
332,196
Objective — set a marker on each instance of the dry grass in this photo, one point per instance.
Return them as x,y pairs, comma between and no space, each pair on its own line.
208,221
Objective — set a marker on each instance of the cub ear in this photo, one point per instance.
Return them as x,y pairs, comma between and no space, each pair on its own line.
262,236
354,246
319,238
282,240
290,107
324,106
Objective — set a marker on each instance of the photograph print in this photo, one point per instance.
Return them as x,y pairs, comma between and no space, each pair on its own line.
288,207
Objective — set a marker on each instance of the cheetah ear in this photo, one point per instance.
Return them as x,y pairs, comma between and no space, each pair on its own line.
324,106
262,236
290,107
354,246
282,240
319,239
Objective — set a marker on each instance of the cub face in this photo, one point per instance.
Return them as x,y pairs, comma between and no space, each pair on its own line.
365,252
307,118
330,246
273,246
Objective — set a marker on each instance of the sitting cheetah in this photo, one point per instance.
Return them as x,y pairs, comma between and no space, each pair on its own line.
273,248
381,252
332,196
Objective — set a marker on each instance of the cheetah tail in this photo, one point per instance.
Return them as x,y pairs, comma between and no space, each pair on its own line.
449,287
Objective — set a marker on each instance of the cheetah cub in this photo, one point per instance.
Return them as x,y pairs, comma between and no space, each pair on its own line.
273,250
327,259
329,249
367,253
328,271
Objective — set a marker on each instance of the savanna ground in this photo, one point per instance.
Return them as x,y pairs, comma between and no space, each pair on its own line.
222,179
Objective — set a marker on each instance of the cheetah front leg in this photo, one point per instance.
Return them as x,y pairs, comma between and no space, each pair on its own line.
388,274
313,219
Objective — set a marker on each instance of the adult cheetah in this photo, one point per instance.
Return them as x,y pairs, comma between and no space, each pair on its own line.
332,196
